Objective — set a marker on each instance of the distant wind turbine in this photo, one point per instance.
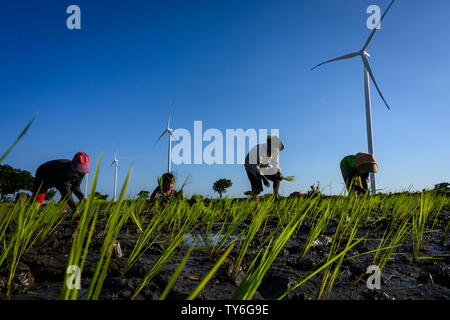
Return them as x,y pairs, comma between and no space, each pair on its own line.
367,73
169,131
115,163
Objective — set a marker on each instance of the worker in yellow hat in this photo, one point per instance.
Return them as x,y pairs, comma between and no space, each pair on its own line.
355,170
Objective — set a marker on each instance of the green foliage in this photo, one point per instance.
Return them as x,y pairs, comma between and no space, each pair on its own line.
443,187
143,194
221,185
13,180
99,196
315,190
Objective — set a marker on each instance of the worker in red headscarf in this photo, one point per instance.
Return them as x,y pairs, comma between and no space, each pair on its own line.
65,175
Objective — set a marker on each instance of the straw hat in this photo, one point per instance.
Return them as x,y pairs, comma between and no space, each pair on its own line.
365,162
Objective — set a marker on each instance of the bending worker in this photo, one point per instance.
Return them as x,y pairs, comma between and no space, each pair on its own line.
355,171
64,175
262,165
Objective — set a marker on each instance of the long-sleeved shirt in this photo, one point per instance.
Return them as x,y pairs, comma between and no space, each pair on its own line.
59,174
349,171
259,163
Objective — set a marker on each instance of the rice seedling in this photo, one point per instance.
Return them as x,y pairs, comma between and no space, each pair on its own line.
255,224
24,131
81,240
419,221
438,205
158,264
329,277
27,226
174,241
238,218
115,222
254,275
316,230
175,275
146,239
318,270
209,275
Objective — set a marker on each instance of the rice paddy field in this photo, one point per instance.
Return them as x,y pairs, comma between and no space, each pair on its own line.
296,248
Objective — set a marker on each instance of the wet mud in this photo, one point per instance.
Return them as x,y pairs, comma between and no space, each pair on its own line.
41,271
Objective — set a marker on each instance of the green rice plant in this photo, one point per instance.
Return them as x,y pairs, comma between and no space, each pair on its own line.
255,225
175,275
24,131
290,178
27,227
115,222
419,221
158,264
174,241
238,216
395,234
146,239
318,270
438,205
329,277
316,230
209,275
254,275
81,240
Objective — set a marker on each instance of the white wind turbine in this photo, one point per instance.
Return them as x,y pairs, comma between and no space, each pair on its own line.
116,166
169,131
367,73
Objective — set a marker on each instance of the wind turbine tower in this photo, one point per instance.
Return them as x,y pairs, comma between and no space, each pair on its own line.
368,74
169,131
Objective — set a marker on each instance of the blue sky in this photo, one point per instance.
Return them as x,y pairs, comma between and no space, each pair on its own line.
231,64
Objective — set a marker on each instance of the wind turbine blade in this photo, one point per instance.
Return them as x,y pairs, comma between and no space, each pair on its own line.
366,63
161,136
347,56
175,138
375,29
170,112
168,119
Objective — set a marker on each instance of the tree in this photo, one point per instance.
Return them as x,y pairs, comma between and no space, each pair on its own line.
99,196
221,185
315,190
13,180
443,187
143,194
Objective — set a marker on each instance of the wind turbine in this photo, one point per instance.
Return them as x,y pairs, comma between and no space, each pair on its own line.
116,166
169,131
367,73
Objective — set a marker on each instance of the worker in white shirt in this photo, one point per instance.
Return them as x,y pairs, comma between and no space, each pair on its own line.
262,165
